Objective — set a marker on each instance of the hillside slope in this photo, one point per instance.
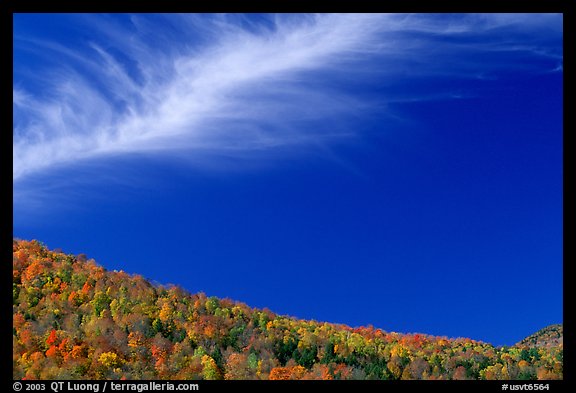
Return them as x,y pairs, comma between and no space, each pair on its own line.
72,319
550,336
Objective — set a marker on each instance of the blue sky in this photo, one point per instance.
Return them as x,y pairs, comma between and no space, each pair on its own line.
399,170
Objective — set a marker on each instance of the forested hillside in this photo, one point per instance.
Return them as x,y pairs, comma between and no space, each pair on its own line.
550,336
72,319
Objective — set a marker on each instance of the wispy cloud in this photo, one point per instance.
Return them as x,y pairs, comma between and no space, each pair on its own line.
185,84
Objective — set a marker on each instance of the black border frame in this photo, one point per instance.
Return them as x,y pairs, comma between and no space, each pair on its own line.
566,7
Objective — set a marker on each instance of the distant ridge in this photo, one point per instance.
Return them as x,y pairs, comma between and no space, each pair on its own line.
73,319
550,336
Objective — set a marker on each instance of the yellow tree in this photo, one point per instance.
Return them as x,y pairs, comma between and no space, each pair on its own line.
210,369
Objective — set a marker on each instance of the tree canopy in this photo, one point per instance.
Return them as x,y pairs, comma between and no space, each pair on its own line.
72,319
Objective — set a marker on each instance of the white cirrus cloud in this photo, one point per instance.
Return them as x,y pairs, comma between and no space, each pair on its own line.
185,84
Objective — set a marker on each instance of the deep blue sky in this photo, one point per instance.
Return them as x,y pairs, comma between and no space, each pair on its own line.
403,171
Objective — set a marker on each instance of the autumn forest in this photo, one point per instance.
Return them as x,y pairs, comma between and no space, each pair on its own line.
73,319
